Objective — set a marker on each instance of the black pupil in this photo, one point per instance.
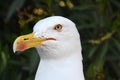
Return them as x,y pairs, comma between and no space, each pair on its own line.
58,27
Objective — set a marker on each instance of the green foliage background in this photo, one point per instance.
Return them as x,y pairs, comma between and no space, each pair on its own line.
98,22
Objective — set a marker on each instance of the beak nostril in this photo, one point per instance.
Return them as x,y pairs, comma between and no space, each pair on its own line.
26,38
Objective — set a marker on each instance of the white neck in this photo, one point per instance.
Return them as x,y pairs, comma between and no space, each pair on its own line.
69,68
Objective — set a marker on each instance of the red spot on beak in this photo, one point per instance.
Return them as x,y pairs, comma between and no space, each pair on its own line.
21,46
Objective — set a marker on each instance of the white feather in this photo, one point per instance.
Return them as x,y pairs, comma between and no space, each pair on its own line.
60,59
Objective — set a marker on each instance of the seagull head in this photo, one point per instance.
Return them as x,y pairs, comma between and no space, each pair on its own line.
54,37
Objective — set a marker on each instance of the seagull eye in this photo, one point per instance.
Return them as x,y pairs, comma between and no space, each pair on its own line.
58,27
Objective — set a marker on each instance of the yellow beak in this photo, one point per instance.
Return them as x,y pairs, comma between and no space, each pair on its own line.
28,41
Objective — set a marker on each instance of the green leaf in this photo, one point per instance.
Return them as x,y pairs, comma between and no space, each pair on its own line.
4,61
96,66
116,25
87,26
16,4
84,7
116,3
34,60
92,51
117,43
101,57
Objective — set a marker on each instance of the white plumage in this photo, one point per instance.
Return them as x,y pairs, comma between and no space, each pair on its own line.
61,59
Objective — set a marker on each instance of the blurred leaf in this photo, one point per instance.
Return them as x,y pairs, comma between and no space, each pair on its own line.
117,43
103,38
69,4
49,5
87,26
84,7
34,60
26,29
17,4
101,57
116,25
4,62
116,3
102,6
96,67
92,51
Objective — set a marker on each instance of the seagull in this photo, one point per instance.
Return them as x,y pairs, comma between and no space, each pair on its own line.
57,41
